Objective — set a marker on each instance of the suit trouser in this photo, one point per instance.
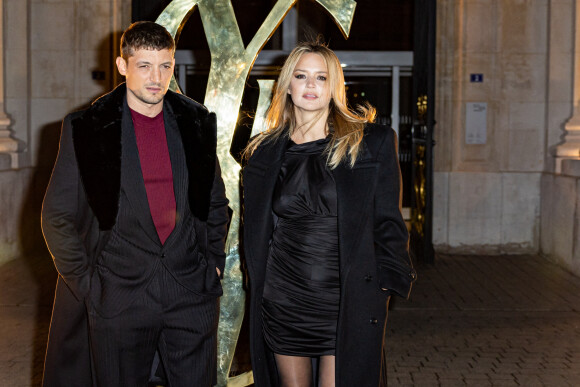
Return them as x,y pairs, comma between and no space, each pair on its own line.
180,324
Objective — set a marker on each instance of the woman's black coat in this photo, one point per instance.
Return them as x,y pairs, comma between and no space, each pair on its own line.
373,245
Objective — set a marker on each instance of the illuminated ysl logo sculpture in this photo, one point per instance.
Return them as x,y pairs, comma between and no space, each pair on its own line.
230,65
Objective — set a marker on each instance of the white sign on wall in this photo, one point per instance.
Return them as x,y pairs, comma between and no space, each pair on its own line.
476,122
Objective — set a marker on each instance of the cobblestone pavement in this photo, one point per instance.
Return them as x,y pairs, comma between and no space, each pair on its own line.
471,321
487,321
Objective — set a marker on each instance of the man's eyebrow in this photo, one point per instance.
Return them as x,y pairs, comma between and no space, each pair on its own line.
144,61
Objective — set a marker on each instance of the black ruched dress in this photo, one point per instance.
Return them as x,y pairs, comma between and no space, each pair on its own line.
302,287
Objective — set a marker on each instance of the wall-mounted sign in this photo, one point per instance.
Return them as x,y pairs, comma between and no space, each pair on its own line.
475,122
476,78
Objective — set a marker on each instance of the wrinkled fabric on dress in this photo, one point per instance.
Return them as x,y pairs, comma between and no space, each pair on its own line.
302,287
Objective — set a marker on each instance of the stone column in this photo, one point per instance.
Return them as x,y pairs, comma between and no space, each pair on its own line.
570,148
8,144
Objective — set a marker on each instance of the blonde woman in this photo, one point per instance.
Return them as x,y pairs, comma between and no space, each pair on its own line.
324,239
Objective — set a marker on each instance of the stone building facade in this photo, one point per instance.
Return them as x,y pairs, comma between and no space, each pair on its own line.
50,50
516,191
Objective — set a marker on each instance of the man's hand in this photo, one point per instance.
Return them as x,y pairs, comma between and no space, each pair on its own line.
219,273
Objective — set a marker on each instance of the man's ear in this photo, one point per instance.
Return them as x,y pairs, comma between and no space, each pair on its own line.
121,65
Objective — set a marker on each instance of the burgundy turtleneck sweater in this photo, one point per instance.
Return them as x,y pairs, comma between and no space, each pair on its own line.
156,169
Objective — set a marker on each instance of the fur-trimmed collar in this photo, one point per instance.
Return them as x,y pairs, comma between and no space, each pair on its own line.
97,142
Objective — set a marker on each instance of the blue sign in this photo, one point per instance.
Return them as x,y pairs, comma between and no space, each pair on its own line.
476,78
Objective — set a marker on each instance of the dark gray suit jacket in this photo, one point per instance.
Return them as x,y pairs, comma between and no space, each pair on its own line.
98,227
373,251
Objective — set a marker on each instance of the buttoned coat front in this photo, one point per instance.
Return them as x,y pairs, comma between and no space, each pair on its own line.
373,253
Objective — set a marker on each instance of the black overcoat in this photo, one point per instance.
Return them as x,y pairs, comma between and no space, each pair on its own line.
97,168
373,252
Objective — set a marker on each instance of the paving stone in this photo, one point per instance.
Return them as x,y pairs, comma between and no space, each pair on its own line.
504,320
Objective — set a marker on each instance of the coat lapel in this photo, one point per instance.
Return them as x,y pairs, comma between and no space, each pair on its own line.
354,189
180,175
198,131
97,143
133,184
259,181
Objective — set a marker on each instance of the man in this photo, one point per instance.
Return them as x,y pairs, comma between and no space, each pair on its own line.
135,217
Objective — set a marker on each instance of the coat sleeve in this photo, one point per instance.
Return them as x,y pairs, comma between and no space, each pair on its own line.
59,213
217,221
391,239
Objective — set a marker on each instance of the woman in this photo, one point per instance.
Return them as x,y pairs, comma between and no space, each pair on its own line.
324,239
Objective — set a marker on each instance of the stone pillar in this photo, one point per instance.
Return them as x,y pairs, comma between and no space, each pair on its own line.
570,148
8,144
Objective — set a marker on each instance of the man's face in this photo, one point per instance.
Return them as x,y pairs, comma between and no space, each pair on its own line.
147,73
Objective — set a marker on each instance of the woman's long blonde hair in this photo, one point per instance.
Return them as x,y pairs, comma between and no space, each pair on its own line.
347,126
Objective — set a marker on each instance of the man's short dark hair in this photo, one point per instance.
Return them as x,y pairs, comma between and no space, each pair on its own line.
145,35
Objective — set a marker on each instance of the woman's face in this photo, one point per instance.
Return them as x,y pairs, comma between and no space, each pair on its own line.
309,87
